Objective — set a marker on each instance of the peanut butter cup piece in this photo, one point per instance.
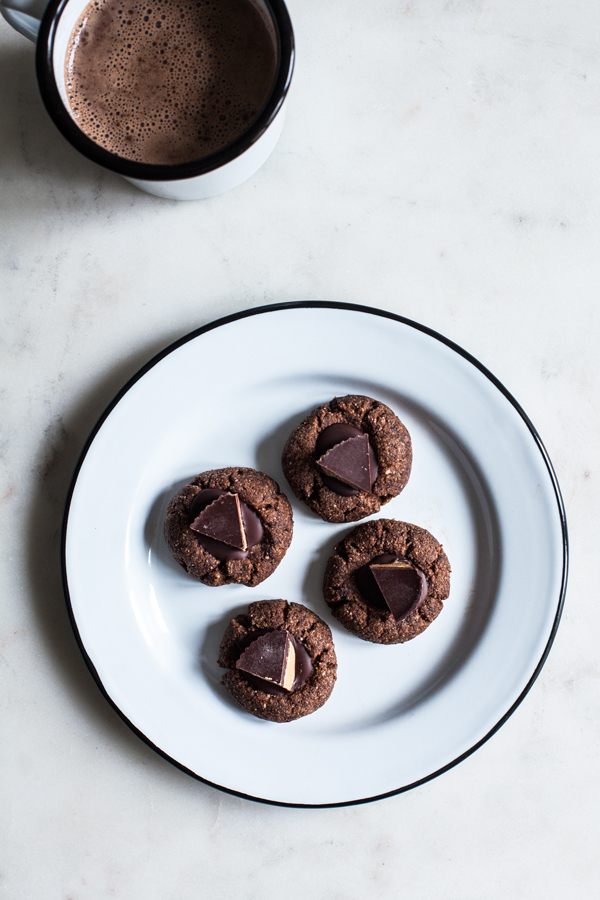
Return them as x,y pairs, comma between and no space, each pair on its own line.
271,657
222,521
402,586
349,462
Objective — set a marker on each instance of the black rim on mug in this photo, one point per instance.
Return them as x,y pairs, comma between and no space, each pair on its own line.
62,118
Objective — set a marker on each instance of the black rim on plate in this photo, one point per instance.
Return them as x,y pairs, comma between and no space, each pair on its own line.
278,307
62,118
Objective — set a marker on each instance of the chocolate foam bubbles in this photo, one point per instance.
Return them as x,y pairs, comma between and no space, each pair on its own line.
169,81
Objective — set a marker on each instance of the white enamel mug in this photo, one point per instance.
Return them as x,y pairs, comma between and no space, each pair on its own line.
50,26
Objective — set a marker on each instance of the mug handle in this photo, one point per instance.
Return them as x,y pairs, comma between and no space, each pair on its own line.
25,16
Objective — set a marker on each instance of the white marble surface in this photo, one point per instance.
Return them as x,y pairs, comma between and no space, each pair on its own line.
441,160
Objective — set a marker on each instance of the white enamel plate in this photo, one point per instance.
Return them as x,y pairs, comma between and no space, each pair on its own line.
229,394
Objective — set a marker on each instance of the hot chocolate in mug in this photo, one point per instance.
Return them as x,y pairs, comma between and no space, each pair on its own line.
187,125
